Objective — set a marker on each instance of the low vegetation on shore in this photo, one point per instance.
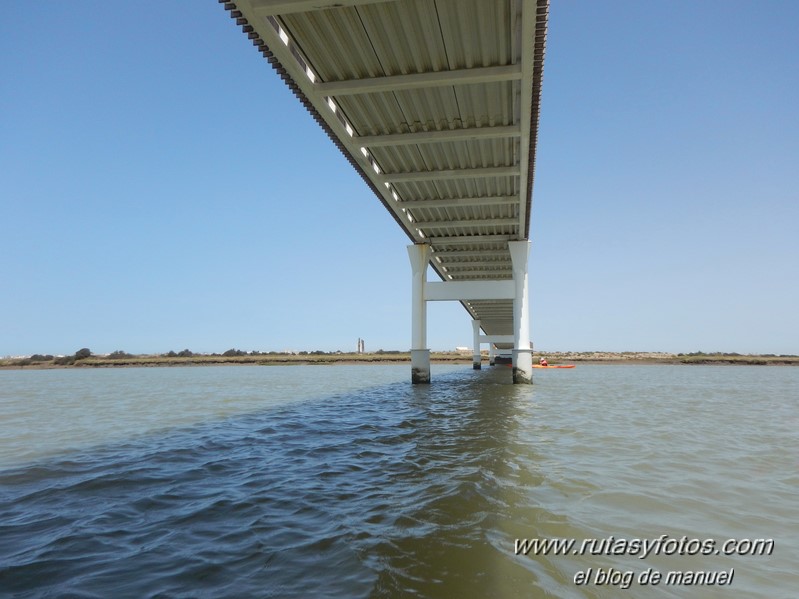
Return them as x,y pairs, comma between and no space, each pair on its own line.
84,358
669,358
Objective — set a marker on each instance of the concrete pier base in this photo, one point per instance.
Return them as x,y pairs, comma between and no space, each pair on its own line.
419,255
476,358
523,366
420,366
522,348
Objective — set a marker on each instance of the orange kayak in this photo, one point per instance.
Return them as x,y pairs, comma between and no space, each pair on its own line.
554,366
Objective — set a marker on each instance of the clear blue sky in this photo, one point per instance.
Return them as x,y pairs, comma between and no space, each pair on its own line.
161,189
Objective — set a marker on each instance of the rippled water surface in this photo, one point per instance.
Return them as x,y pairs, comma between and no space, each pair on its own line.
347,481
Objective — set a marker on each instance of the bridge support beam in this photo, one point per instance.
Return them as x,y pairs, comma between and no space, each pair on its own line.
522,350
419,255
491,354
423,291
476,351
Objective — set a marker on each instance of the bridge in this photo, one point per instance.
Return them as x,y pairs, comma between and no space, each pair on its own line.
435,103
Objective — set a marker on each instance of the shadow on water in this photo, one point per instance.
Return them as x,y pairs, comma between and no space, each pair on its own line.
395,490
463,488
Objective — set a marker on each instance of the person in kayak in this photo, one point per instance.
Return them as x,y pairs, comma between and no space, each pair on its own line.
542,362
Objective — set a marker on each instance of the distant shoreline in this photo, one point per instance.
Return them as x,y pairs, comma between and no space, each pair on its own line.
300,359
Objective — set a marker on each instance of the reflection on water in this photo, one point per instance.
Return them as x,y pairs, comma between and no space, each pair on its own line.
349,481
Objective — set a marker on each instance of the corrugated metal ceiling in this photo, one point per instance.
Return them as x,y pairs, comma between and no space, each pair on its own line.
435,103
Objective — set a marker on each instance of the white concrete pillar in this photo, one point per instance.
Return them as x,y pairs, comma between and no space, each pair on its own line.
522,350
491,354
419,255
476,351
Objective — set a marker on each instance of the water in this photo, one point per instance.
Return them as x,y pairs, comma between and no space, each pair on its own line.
347,481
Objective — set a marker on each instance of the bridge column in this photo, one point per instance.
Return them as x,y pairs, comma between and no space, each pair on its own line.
491,354
476,351
419,255
522,352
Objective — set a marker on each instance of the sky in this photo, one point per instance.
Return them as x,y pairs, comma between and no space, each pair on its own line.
161,189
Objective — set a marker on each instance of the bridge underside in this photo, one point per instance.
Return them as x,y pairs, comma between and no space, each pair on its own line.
435,103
